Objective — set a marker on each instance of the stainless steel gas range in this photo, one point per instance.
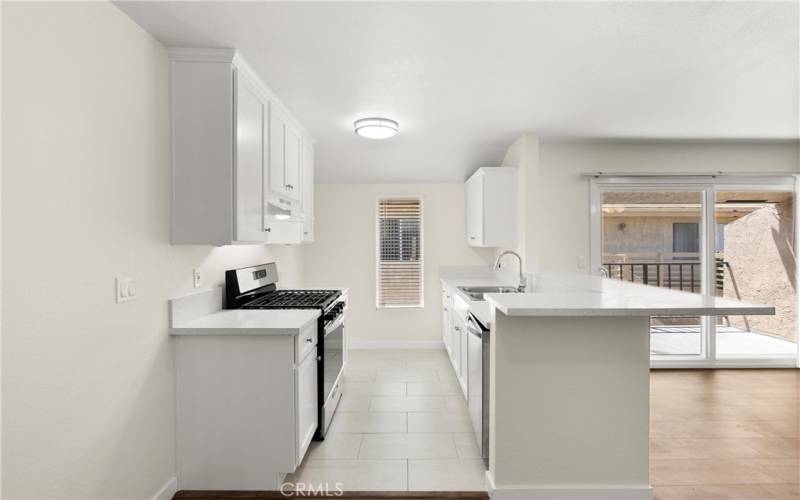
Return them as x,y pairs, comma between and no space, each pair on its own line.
255,288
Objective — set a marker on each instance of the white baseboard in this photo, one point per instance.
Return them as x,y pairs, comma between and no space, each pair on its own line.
394,344
582,492
168,490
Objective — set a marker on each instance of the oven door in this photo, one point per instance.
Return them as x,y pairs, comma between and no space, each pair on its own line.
333,356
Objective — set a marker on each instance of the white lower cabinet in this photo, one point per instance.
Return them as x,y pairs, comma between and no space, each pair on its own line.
306,394
460,351
447,328
455,335
246,408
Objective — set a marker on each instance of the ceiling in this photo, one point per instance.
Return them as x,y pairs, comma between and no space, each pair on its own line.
466,79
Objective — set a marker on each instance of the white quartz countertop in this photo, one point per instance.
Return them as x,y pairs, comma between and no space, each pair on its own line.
568,294
248,322
201,313
480,308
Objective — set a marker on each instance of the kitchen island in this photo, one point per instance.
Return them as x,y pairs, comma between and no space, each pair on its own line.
569,385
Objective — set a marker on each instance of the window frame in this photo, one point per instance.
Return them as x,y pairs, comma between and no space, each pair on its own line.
378,199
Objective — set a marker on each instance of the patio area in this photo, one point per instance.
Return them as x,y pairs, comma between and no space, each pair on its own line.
731,341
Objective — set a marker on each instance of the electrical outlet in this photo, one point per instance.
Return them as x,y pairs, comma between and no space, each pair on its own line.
196,277
126,289
581,262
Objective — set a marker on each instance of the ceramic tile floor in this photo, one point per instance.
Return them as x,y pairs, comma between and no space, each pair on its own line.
402,424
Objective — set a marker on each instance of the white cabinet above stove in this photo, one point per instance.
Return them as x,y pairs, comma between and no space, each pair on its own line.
238,155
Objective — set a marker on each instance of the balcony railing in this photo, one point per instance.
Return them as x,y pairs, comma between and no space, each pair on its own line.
685,275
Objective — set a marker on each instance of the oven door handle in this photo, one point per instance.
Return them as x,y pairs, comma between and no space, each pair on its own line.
334,325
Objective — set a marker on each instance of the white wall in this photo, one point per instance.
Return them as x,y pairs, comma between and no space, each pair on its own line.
1,245
88,385
523,155
564,193
343,254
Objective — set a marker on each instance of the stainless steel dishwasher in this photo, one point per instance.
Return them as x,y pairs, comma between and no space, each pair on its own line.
478,383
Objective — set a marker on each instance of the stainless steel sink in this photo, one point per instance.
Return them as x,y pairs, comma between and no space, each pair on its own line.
476,292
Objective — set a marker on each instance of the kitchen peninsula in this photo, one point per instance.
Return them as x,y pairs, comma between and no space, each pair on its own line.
569,384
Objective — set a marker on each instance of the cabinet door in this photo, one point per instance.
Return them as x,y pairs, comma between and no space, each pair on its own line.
307,182
474,210
293,155
455,343
277,151
308,231
251,111
463,375
306,377
283,232
447,329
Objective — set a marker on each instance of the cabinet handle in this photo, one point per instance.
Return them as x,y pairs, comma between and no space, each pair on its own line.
268,229
309,340
472,237
457,328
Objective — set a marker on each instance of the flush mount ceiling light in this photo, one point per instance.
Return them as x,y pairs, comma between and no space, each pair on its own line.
376,128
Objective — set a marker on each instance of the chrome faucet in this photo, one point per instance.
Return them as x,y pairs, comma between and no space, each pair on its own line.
523,282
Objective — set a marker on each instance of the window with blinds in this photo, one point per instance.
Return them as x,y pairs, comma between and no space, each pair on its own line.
399,253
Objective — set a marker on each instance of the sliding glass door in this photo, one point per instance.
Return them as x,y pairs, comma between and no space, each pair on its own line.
756,263
652,237
733,238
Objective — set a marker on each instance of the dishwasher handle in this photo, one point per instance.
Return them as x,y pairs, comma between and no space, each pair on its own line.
473,327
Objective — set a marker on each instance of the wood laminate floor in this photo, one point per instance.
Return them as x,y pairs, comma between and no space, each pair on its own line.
725,434
402,426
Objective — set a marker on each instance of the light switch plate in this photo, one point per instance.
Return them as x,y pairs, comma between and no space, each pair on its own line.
126,289
196,277
581,262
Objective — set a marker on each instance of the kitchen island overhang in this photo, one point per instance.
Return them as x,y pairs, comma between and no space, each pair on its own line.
569,385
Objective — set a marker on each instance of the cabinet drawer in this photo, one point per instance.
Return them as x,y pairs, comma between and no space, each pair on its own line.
306,342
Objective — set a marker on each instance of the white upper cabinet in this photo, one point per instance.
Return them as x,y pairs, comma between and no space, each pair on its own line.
307,180
286,144
235,151
491,207
251,114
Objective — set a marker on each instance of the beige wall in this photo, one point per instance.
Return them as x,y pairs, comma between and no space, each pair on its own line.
87,384
640,235
343,254
564,226
523,155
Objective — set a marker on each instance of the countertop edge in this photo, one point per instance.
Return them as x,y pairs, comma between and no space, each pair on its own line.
230,331
234,331
630,311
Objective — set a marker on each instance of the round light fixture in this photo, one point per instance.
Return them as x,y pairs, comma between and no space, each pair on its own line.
376,128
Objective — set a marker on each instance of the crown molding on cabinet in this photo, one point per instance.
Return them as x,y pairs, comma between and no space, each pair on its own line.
234,57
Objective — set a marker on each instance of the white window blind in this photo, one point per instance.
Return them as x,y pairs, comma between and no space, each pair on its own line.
399,252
